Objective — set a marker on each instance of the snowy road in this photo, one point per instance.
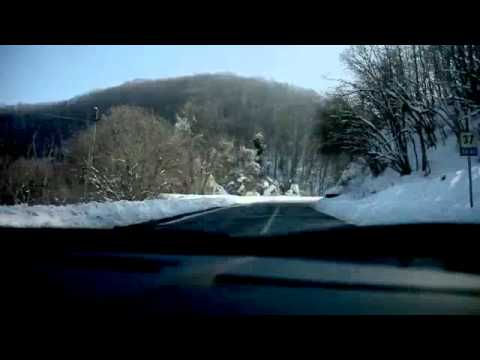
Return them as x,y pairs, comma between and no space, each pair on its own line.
258,219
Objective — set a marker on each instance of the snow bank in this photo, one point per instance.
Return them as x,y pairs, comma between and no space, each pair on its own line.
414,198
110,214
102,215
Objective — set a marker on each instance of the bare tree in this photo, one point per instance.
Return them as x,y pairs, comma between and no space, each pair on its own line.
135,156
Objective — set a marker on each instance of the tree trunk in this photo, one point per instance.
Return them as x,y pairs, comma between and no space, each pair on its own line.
414,146
275,164
425,164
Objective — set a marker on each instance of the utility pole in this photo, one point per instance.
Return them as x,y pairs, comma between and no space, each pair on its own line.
97,117
91,150
469,162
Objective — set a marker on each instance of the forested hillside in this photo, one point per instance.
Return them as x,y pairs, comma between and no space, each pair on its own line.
402,102
223,112
229,104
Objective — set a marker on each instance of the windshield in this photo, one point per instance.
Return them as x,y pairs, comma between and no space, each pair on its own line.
248,140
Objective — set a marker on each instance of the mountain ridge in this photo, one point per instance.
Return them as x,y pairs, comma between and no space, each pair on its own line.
237,105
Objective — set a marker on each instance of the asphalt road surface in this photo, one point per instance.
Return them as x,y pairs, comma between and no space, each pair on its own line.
257,219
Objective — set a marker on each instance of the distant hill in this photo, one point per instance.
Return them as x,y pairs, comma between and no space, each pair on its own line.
227,104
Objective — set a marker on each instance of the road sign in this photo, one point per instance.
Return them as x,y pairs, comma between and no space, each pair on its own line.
468,148
468,144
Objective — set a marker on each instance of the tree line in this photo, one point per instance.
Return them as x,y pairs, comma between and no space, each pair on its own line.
402,101
163,136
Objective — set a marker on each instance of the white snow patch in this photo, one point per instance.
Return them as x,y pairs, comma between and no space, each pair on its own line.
391,199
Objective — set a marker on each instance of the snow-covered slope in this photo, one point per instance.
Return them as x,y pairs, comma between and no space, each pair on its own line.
110,214
414,198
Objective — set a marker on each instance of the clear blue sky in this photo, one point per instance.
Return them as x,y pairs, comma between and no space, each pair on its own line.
50,73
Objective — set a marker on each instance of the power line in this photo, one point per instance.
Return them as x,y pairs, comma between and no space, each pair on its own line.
65,117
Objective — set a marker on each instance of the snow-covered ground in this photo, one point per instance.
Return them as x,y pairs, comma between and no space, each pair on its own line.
110,214
414,198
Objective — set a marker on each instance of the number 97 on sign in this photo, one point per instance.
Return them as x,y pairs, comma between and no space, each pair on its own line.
468,144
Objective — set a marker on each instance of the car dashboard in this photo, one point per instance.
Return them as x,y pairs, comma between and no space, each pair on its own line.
157,279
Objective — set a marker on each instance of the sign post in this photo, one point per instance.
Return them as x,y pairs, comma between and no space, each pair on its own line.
468,148
470,181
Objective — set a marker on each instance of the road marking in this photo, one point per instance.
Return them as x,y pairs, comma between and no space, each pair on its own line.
270,221
186,217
